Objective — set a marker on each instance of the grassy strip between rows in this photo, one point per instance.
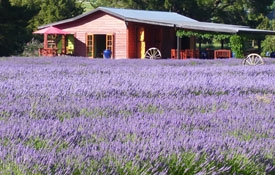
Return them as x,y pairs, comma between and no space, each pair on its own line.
186,163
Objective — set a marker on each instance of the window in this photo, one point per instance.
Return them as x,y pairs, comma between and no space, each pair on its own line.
109,42
90,45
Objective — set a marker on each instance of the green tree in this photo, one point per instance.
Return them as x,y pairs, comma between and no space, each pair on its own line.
18,18
133,4
268,45
13,28
55,10
48,11
236,44
242,12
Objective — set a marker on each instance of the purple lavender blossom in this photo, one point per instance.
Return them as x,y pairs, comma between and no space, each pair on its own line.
70,115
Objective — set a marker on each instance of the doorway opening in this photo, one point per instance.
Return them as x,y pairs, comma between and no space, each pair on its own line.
97,43
100,45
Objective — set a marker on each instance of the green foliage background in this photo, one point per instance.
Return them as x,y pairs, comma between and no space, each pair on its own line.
268,45
19,18
236,44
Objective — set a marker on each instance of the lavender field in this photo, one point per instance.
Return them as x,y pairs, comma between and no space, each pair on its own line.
70,115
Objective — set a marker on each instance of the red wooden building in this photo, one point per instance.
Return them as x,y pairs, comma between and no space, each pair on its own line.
129,33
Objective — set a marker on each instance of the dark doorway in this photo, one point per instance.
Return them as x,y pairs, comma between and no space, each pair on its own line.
99,45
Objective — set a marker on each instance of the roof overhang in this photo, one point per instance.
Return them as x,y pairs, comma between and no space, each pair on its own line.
256,31
222,28
159,23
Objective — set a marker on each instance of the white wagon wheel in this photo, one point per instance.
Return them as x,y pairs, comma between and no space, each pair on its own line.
153,53
253,59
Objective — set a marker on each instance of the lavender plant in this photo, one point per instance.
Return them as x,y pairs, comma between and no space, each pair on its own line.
72,115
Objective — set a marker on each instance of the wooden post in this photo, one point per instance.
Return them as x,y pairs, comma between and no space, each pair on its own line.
45,41
63,43
178,47
259,46
199,44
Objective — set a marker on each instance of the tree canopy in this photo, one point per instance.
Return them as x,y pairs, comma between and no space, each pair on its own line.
48,11
18,18
13,28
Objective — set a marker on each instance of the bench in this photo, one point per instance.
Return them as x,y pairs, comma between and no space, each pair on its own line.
222,53
187,53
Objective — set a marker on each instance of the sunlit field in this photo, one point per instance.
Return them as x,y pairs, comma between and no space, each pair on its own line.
73,115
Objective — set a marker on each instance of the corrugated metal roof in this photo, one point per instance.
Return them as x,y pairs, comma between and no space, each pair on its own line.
169,19
147,15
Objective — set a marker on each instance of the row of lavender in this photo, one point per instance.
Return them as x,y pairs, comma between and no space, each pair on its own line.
79,116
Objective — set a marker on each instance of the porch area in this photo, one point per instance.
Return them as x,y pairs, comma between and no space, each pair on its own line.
196,53
56,42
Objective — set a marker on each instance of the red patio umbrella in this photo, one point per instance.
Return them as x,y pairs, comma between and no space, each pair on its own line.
51,30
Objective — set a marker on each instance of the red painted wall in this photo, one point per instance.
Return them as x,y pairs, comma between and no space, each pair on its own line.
125,35
98,23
